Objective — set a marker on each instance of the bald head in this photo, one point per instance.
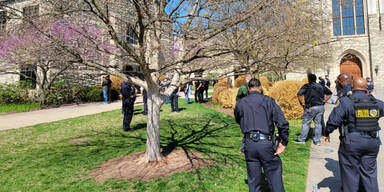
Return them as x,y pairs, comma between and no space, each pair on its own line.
344,79
359,84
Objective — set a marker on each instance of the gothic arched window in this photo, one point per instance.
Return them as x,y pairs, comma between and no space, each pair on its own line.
348,17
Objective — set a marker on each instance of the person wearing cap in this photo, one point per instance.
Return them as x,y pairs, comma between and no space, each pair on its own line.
258,115
356,116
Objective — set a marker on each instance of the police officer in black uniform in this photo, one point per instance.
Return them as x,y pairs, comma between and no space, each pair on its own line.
128,92
357,117
257,115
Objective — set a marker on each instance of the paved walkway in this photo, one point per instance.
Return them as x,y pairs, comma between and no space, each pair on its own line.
18,120
323,168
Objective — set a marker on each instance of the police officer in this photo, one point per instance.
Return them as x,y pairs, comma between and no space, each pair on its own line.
344,82
357,118
257,115
314,94
128,92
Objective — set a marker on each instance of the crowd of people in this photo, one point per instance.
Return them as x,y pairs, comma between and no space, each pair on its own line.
356,116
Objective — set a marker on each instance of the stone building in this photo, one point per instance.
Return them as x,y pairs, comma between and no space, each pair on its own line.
77,73
357,29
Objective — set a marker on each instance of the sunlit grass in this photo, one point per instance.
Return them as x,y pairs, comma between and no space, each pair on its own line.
39,158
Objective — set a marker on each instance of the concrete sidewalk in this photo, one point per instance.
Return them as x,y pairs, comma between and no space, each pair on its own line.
323,168
17,120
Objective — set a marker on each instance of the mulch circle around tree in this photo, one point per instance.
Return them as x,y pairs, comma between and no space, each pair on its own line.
228,111
132,167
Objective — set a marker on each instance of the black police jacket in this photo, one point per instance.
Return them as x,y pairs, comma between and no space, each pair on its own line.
313,94
257,112
343,113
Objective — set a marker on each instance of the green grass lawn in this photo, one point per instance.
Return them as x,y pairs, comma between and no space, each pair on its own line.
6,108
39,158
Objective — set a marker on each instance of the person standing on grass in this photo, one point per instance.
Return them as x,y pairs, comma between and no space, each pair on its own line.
206,87
258,115
311,97
175,100
128,92
106,84
357,118
145,112
188,91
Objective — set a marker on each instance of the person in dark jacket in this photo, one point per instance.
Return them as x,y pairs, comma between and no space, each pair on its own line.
206,88
257,115
356,116
315,96
106,84
128,92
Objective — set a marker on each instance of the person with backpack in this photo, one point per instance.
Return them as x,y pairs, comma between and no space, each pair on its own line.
128,92
357,118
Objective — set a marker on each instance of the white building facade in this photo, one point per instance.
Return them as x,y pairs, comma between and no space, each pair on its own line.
358,31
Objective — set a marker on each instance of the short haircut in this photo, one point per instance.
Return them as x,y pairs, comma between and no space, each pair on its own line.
254,83
311,77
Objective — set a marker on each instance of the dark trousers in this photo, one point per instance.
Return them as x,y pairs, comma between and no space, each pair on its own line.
206,93
128,113
358,165
174,102
201,95
259,155
196,95
145,103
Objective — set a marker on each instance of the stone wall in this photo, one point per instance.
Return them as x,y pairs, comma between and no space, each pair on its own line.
357,45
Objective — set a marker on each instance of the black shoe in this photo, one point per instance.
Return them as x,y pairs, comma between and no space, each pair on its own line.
145,113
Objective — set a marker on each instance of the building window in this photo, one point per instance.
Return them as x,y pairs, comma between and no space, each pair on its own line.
3,20
28,74
360,25
348,17
131,36
336,18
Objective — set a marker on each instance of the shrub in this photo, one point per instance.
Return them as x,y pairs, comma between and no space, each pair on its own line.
239,81
285,93
219,87
60,93
94,94
14,93
265,83
224,94
116,82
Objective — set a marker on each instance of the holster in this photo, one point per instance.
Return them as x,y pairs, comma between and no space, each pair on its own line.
276,140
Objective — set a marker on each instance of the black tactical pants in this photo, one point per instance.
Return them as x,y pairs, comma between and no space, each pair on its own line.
358,165
259,155
128,113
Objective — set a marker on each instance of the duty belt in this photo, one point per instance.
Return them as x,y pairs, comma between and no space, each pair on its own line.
374,134
256,136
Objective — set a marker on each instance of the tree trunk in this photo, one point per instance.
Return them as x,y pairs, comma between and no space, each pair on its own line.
154,103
